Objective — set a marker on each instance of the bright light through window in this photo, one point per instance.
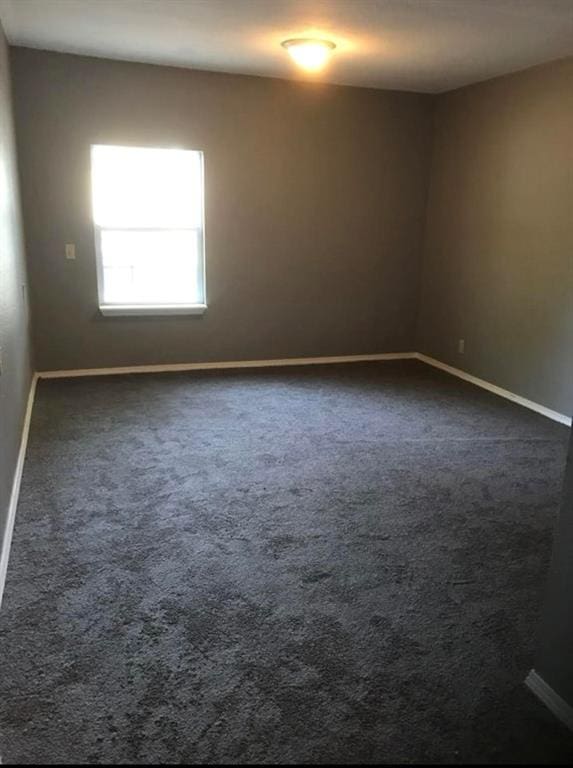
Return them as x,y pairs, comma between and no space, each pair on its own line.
148,219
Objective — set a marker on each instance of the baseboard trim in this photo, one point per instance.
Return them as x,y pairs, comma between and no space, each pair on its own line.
224,365
552,700
14,496
281,362
550,414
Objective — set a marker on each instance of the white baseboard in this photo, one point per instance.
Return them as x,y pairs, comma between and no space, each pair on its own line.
552,700
13,504
225,364
171,367
554,415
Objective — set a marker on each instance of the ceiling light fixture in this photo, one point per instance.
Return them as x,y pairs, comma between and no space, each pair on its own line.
309,53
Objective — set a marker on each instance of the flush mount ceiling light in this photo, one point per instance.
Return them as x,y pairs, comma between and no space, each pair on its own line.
309,53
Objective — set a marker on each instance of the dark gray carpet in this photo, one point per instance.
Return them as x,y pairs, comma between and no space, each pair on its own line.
321,564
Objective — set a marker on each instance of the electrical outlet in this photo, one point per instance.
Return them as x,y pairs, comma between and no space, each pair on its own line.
70,251
461,346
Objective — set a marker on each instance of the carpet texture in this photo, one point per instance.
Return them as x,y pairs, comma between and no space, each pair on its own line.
317,565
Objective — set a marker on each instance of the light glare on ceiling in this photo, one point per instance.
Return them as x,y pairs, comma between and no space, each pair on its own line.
310,54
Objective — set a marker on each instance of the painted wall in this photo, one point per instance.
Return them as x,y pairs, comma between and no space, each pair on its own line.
315,200
555,658
14,324
498,257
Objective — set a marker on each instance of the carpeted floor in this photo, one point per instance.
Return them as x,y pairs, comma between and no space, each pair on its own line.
317,565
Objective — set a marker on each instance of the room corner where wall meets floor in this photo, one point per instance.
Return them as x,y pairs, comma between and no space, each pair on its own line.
298,361
497,262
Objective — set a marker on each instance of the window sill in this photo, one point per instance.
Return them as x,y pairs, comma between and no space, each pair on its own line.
117,310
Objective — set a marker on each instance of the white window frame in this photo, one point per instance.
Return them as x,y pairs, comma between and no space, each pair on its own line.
108,309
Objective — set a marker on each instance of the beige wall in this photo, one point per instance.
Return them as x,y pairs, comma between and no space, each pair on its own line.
315,199
14,324
498,259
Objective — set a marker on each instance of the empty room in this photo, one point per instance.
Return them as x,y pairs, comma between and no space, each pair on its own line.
286,382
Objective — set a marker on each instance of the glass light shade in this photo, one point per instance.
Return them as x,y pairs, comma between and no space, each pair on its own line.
308,53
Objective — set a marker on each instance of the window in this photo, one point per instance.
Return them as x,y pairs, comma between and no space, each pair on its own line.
148,220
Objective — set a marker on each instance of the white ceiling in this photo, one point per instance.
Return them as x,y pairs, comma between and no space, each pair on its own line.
419,45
